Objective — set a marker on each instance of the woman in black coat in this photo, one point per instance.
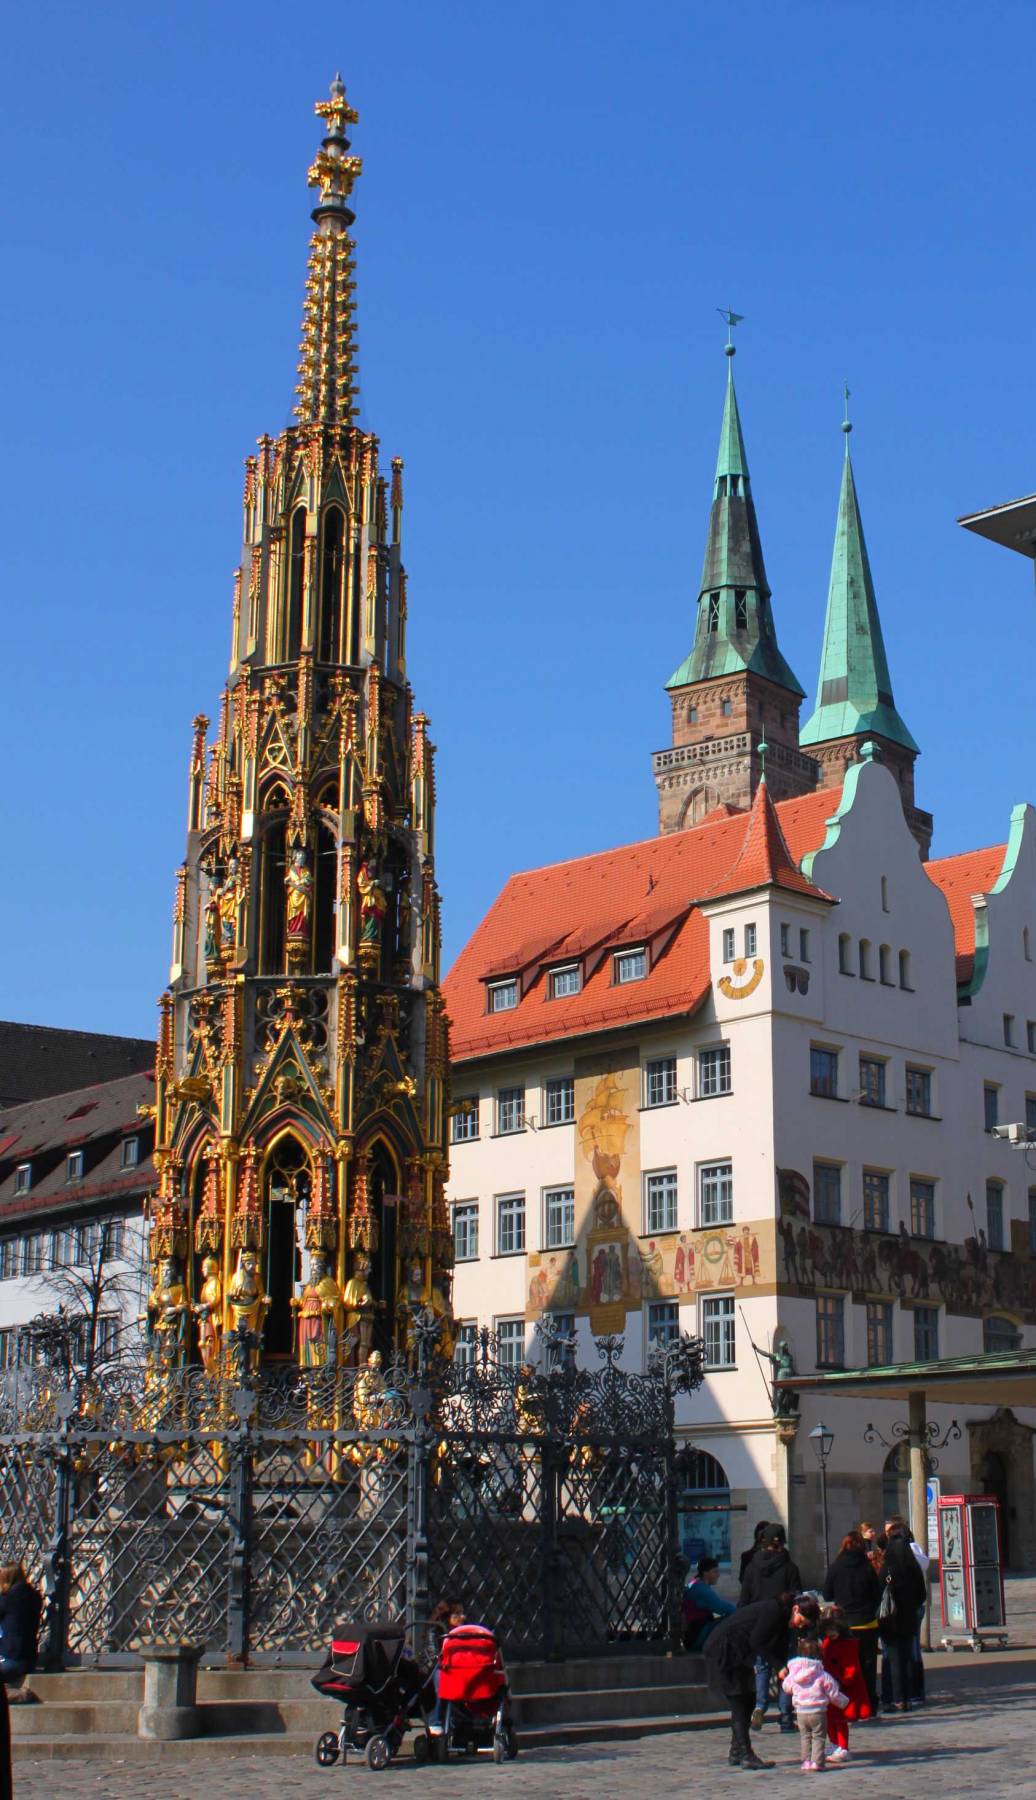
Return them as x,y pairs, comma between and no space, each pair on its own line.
731,1652
20,1608
854,1587
905,1584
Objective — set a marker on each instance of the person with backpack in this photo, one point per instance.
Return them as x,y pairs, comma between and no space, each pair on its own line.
904,1592
703,1607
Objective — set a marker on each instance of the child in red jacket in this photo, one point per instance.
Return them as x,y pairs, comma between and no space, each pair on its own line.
841,1658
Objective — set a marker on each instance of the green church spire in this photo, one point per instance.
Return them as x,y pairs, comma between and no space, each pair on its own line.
734,627
855,688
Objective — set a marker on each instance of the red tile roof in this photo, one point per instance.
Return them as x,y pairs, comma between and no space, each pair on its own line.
958,878
764,859
644,893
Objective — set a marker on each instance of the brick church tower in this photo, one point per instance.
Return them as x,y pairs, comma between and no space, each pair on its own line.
735,689
303,1060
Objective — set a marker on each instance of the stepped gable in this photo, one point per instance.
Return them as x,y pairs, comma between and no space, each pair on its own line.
958,878
639,894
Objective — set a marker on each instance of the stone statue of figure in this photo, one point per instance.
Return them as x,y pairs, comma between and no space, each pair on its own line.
209,1313
248,1303
299,884
360,1302
319,1315
373,904
784,1400
167,1312
369,1392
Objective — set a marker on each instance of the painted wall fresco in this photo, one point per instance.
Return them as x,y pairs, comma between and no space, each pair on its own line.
611,1270
968,1279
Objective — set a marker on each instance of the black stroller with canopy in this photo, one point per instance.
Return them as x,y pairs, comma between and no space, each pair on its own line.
380,1688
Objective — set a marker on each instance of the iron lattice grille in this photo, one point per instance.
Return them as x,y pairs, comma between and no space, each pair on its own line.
248,1513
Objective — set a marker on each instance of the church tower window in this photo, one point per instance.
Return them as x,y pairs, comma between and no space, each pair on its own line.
296,573
331,566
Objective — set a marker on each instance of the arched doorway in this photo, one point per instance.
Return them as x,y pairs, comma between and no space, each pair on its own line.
703,1506
287,1182
895,1484
995,1480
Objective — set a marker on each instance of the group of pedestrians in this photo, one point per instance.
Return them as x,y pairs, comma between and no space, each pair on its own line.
823,1659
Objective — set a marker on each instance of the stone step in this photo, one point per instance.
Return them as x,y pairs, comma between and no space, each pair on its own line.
676,1699
578,1673
89,1684
63,1718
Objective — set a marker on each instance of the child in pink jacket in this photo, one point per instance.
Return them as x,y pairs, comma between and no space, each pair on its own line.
812,1691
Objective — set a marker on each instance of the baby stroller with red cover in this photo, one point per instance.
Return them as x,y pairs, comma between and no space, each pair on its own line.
474,1697
380,1688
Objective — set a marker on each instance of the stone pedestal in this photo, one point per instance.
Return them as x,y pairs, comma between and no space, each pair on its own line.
170,1692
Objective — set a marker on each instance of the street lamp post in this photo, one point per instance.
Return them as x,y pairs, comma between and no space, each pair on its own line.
822,1441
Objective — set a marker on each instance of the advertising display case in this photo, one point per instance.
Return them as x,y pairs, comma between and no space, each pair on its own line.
971,1581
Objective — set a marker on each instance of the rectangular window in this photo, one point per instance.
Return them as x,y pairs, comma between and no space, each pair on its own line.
919,1092
785,940
1032,1221
660,1201
663,1321
510,1225
714,1071
716,1193
994,1215
510,1110
717,1329
875,1201
32,1253
503,996
713,612
464,1122
59,1251
113,1238
660,1081
879,1334
74,1166
465,1231
87,1240
803,945
560,1096
1009,1029
8,1349
827,1193
107,1337
564,982
991,1105
630,965
130,1152
750,940
830,1331
559,1218
922,1208
465,1343
1030,1036
510,1343
8,1259
728,944
823,1073
926,1334
740,609
23,1178
872,1081
845,950
1030,1113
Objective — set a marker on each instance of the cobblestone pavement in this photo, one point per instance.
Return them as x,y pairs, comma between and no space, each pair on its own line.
975,1738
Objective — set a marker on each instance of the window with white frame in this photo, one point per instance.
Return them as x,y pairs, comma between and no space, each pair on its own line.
8,1348
785,940
875,1200
464,1120
510,1224
33,1250
559,1218
803,944
999,1334
827,1193
926,1334
58,1249
465,1343
130,1156
750,940
113,1239
663,1322
660,1190
990,1105
630,965
503,996
715,1193
879,1334
465,1231
830,1331
74,1166
23,1178
560,1100
728,944
714,1071
717,1330
107,1337
823,1072
8,1258
922,1207
87,1240
918,1091
872,1081
510,1110
510,1342
660,1081
566,981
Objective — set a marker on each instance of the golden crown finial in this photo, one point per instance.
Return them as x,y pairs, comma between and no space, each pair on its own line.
336,111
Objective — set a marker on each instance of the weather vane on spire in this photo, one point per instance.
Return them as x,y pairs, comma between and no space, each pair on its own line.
846,422
732,319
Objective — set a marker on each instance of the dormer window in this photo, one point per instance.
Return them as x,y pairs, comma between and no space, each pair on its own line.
130,1152
713,612
740,609
503,996
630,965
23,1178
566,981
74,1166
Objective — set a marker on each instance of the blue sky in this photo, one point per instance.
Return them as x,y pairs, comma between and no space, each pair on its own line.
555,200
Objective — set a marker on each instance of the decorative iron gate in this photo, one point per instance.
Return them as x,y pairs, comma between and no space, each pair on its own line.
247,1514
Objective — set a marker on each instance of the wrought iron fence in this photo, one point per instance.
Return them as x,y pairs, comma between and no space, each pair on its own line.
247,1513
